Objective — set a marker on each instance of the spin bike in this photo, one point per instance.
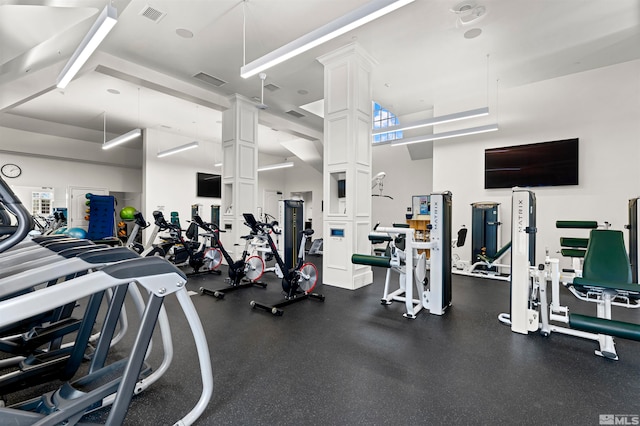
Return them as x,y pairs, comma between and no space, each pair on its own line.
180,251
243,273
298,282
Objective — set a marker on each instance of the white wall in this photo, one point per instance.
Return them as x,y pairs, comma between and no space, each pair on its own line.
61,174
304,178
170,182
600,107
404,179
271,180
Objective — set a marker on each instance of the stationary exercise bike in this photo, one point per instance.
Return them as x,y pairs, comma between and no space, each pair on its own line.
180,251
298,282
243,273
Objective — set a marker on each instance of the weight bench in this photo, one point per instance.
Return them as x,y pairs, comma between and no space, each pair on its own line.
606,280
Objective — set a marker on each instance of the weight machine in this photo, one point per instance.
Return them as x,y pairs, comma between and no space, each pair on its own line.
605,281
411,266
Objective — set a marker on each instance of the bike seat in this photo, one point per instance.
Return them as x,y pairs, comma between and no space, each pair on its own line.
247,237
308,232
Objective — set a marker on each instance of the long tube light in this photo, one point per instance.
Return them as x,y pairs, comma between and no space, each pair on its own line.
122,139
354,19
463,115
105,22
446,135
177,149
276,166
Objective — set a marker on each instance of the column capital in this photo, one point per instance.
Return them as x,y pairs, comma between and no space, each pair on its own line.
349,50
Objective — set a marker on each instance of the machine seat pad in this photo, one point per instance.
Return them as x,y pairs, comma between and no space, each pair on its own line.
577,224
573,252
574,242
621,329
379,237
631,287
366,259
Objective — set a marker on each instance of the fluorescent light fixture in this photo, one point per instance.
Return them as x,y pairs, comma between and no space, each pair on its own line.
446,135
217,165
435,120
358,17
276,166
177,149
122,138
105,22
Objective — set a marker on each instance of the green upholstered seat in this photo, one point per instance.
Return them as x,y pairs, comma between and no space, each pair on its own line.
606,263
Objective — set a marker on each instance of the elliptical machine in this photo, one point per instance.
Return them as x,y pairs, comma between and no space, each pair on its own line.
251,267
298,282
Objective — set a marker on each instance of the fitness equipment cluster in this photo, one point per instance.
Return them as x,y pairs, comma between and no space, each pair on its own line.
47,269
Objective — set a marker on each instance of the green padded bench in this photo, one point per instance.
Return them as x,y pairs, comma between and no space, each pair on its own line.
369,260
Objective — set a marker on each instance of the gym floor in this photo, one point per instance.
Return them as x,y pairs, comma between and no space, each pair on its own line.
351,361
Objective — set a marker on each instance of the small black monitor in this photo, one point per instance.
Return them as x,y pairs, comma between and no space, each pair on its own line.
342,188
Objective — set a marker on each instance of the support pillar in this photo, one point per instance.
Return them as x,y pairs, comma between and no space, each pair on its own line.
239,170
347,165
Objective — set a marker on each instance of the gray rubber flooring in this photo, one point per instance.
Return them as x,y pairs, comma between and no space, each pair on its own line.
351,361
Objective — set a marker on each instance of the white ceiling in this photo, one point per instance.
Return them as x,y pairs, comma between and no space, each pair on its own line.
423,58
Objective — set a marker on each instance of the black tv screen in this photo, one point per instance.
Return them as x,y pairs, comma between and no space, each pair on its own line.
209,185
540,164
342,188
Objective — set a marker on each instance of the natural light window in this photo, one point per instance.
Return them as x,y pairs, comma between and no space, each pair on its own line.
41,203
383,118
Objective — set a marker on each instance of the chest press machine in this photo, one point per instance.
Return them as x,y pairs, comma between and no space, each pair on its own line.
432,277
606,281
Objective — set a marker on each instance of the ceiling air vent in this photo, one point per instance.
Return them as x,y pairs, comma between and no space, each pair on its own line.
296,114
271,87
209,79
154,14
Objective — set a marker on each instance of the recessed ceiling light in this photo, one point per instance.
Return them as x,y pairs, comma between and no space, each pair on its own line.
184,33
472,33
113,91
303,92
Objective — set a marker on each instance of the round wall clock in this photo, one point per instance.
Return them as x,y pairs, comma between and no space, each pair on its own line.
11,170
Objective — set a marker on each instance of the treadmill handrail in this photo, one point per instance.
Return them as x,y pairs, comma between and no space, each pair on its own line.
25,221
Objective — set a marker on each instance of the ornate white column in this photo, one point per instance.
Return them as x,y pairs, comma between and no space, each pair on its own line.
239,170
347,165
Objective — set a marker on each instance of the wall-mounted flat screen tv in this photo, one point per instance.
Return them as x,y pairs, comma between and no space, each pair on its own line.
540,164
209,185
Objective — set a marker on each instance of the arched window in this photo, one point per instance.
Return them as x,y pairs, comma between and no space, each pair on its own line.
383,118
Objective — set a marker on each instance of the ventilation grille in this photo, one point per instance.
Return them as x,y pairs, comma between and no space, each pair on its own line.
153,14
271,87
296,114
209,79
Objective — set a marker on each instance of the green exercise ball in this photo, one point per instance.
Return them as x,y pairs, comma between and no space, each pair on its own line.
127,213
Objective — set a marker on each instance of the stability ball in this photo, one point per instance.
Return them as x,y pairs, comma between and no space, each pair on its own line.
76,233
127,213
